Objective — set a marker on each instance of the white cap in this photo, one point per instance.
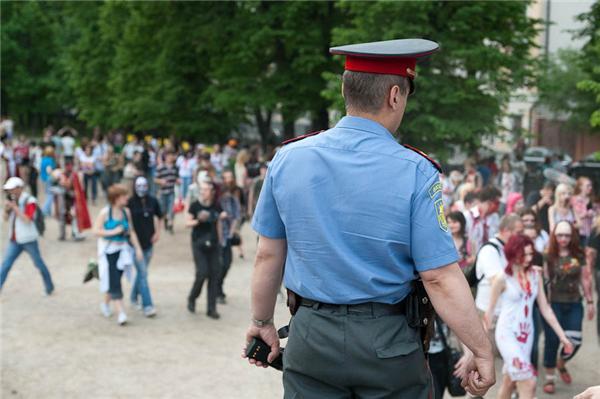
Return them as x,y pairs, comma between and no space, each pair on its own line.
13,182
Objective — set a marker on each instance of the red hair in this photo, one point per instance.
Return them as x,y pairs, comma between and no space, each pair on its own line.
515,252
574,247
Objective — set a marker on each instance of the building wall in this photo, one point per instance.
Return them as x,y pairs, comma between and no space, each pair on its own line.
557,135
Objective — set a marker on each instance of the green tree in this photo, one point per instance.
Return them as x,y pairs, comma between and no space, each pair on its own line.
270,61
461,91
26,34
590,60
557,88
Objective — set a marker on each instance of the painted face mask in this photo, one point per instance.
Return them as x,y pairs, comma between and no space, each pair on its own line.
141,187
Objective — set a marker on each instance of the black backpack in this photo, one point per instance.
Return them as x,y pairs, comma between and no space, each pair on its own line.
471,271
38,219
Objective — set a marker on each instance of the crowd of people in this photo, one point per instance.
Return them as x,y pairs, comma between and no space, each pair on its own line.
145,182
529,259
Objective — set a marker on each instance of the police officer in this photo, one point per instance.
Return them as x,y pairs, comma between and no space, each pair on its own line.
356,217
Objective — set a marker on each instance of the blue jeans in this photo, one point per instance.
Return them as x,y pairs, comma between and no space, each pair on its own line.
185,184
90,180
47,208
570,317
140,285
13,250
166,203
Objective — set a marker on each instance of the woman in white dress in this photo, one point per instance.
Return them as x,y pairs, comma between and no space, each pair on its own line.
519,286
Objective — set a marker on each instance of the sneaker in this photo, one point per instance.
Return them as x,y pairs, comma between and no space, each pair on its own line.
122,318
105,309
137,306
150,311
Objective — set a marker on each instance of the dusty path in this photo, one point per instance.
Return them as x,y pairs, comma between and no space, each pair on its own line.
61,347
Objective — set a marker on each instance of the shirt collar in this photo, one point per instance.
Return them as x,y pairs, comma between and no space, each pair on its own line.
363,124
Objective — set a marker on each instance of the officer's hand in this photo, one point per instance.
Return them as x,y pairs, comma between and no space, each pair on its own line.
267,333
590,393
481,377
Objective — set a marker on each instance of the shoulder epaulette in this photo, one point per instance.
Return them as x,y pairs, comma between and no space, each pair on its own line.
294,139
421,153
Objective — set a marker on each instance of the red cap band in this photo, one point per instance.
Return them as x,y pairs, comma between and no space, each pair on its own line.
402,66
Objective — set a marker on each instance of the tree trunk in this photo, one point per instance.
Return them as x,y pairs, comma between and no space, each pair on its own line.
320,120
263,124
288,126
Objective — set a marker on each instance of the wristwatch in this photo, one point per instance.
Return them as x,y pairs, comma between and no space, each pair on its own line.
262,323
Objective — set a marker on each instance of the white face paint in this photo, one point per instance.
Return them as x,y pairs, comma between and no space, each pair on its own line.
141,187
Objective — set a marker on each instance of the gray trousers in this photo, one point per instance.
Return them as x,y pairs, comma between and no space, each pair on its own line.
340,354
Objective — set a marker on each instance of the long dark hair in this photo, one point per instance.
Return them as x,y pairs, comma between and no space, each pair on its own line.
574,247
460,218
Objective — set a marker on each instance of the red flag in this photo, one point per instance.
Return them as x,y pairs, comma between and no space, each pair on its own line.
81,210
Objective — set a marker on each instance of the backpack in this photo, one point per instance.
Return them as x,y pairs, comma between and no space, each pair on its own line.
38,219
471,271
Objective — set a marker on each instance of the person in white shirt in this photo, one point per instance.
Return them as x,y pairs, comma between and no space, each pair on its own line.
20,212
67,143
186,164
491,262
482,219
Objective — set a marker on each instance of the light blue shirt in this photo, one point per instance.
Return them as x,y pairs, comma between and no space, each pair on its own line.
361,214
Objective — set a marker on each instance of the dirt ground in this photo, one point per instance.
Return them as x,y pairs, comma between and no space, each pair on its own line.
61,347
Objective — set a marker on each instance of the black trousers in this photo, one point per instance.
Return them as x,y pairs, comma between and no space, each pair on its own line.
226,258
208,266
438,364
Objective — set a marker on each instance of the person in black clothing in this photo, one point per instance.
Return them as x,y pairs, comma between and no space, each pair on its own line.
146,216
204,217
540,202
593,267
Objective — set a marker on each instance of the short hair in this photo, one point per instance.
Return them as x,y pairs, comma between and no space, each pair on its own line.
115,191
489,194
366,92
470,197
509,221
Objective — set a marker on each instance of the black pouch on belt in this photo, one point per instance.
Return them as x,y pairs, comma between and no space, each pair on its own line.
293,301
420,313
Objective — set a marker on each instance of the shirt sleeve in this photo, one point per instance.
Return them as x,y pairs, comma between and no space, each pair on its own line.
431,243
489,263
267,221
192,210
157,210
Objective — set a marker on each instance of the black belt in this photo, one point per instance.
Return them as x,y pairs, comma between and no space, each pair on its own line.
373,308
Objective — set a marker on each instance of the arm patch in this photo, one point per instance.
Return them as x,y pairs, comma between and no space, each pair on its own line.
421,153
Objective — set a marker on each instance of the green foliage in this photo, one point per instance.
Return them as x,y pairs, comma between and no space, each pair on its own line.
558,88
461,91
590,61
27,50
202,69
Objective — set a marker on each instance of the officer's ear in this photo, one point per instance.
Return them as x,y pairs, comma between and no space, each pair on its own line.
396,98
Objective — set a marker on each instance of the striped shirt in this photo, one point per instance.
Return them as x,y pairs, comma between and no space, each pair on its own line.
169,174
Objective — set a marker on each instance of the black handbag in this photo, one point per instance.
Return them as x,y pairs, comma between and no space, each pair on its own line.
452,357
235,240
